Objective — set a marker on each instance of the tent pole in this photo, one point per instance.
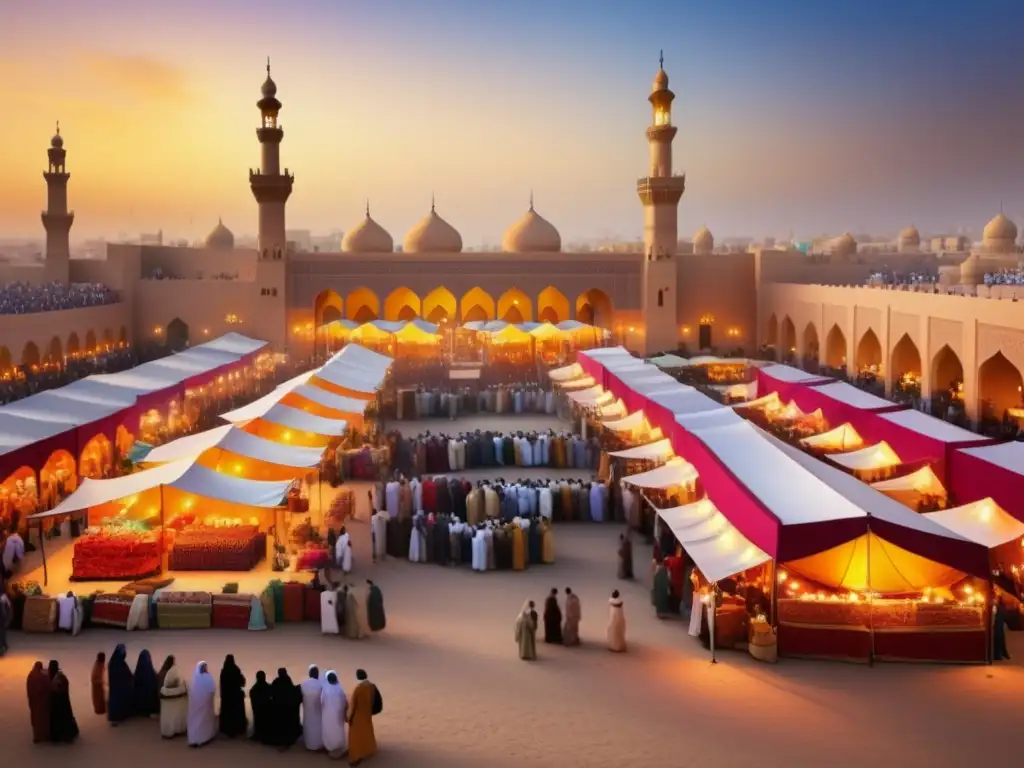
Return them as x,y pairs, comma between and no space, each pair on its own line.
989,629
871,602
775,596
42,550
712,611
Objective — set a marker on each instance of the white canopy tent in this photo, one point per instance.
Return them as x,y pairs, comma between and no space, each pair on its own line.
628,365
604,353
877,456
842,438
17,432
95,391
361,357
140,381
230,438
661,449
330,399
234,343
50,406
596,395
584,382
768,403
351,377
634,420
653,386
566,372
790,412
616,410
923,481
1008,456
189,447
791,375
293,418
709,419
211,484
669,361
847,394
983,522
716,545
930,427
684,399
672,473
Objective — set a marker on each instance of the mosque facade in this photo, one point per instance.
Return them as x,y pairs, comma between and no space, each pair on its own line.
672,293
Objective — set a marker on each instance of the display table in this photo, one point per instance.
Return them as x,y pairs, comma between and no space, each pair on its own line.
101,556
40,614
231,611
184,610
218,549
111,609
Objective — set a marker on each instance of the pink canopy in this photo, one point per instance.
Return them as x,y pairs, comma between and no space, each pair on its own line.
785,379
839,402
995,471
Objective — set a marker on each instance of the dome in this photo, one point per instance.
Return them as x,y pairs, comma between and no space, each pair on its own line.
844,245
660,81
531,234
972,272
703,241
432,235
57,142
367,237
1000,229
910,235
220,237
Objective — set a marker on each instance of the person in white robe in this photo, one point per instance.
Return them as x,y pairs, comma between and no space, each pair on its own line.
499,456
545,502
312,714
453,459
526,449
597,502
417,494
523,500
479,550
333,708
138,614
379,523
202,717
340,545
391,491
346,558
173,704
329,612
489,544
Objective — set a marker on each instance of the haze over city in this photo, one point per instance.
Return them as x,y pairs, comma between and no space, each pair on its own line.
793,116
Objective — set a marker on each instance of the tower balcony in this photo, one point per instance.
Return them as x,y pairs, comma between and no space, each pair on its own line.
661,189
268,188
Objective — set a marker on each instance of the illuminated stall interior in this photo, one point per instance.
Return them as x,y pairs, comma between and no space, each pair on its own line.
920,490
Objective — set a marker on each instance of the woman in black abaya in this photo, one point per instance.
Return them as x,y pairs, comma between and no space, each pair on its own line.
232,699
552,619
146,687
63,727
287,700
262,710
120,687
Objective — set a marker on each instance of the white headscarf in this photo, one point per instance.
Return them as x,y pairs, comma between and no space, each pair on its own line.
333,693
202,681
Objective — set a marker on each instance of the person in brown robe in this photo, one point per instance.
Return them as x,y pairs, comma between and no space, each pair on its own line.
573,616
39,687
625,557
362,743
99,684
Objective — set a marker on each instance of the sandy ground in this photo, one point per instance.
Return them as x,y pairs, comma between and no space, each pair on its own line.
456,693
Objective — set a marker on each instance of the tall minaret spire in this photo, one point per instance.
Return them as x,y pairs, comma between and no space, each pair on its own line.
57,219
269,185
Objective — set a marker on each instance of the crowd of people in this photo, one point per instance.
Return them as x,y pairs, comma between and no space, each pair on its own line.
1008,276
26,380
23,298
316,711
564,628
450,402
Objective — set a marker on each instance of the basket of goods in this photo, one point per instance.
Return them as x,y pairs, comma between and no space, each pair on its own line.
111,609
231,611
218,545
40,614
763,644
124,551
184,610
294,601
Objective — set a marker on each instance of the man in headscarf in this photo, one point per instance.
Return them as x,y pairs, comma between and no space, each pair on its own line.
233,721
202,717
362,742
334,706
312,718
173,700
146,689
353,622
341,546
38,685
552,619
120,687
573,615
262,710
526,632
63,727
375,615
287,701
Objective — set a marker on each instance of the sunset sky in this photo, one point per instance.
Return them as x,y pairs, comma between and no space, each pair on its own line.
807,115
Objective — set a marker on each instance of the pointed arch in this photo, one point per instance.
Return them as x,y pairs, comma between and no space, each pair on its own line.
439,306
788,336
362,305
947,370
905,359
772,333
327,307
869,352
55,350
30,354
477,305
108,339
402,304
594,307
811,343
513,303
1000,386
177,334
122,337
552,306
835,348
6,362
74,346
90,341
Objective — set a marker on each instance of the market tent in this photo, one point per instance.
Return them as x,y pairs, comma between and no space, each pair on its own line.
614,410
789,375
234,343
633,421
321,402
715,545
413,333
842,438
663,406
510,334
991,470
629,363
590,396
674,472
346,379
840,402
573,326
790,412
238,442
188,447
713,417
361,357
141,380
94,391
592,360
584,382
877,456
669,361
202,481
741,392
258,407
769,403
50,406
566,372
909,489
18,432
545,332
371,333
983,522
284,424
659,450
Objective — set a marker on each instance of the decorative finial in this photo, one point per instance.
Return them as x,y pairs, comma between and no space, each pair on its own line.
661,59
268,66
531,201
432,202
58,127
367,207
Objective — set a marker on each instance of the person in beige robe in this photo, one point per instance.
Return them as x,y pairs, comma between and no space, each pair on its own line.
475,507
526,632
405,510
547,542
354,623
492,504
573,616
173,704
616,624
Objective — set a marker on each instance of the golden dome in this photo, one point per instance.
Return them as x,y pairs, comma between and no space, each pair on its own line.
703,241
220,237
531,234
910,235
57,141
367,237
660,77
972,271
432,235
1000,228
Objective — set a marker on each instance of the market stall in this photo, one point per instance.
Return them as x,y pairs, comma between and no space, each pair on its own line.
659,450
669,361
566,373
871,463
995,471
841,439
920,490
785,380
284,424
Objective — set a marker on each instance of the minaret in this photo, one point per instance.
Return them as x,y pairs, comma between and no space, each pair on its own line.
270,187
57,219
660,191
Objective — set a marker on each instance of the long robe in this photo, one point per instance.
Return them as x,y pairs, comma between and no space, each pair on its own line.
379,524
616,633
233,721
547,544
526,636
38,686
146,687
625,559
63,727
333,709
202,716
98,684
312,715
262,712
120,687
552,621
518,549
362,743
173,705
328,613
573,616
287,700
375,616
660,591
